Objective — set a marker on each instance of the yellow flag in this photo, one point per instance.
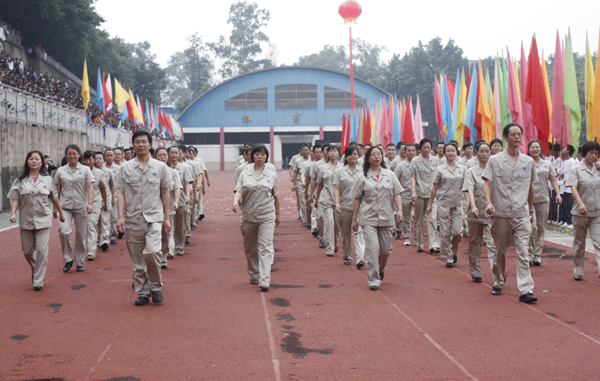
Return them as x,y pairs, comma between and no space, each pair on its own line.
547,87
85,86
121,96
484,106
589,90
460,113
595,122
135,111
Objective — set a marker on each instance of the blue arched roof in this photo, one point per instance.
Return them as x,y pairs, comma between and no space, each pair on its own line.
209,109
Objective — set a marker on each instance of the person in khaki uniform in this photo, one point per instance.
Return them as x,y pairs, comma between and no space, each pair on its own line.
448,181
541,201
584,180
375,193
344,180
104,223
240,168
298,185
32,192
110,158
260,214
403,175
291,165
205,182
186,179
508,192
99,204
168,241
325,199
307,170
143,183
314,174
74,185
421,170
480,222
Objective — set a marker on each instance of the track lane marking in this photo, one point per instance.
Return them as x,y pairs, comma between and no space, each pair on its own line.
271,339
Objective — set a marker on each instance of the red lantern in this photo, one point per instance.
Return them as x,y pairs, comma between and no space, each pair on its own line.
350,10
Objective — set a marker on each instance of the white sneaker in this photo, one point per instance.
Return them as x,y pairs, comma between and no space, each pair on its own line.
407,242
569,226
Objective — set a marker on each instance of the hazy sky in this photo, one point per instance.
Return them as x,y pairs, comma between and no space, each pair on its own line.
304,27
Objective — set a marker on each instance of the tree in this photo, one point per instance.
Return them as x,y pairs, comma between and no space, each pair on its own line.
188,73
239,53
148,77
369,66
330,58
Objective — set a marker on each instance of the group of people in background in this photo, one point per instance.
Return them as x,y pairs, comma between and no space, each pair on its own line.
151,197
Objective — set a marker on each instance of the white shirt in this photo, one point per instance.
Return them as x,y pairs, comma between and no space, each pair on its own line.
564,169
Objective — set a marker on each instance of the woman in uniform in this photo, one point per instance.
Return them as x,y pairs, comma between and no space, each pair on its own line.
343,181
421,170
375,193
32,192
74,185
584,180
325,199
104,223
496,145
99,203
168,241
541,200
479,221
186,179
447,186
402,173
257,185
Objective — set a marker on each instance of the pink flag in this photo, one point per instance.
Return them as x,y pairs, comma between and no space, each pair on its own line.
419,133
152,123
558,94
437,98
497,109
139,105
108,86
514,104
528,129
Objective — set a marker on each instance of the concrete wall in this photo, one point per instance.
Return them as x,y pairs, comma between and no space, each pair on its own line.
17,139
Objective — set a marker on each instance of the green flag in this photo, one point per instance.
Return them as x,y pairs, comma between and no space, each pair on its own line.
572,95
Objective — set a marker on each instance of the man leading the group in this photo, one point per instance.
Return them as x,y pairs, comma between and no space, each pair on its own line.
508,193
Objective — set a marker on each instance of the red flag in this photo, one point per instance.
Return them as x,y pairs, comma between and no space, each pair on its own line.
107,97
367,129
437,98
536,94
345,134
467,133
451,87
408,135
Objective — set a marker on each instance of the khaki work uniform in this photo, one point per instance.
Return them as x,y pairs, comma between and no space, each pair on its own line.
472,162
238,171
423,171
345,179
394,163
311,217
402,173
114,211
144,216
35,221
463,161
587,182
541,208
314,174
167,238
74,200
240,160
300,200
104,223
479,229
258,221
180,229
94,218
331,222
450,198
376,216
509,192
292,165
203,172
194,170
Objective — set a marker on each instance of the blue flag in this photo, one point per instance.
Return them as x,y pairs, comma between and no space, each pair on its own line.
100,93
447,110
471,105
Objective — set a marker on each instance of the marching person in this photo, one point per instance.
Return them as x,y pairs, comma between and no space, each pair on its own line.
508,192
144,205
306,170
421,170
104,223
480,222
298,185
260,214
187,181
448,181
314,174
326,201
32,192
110,157
240,168
167,238
584,180
403,175
75,189
375,193
99,203
541,200
343,181
294,178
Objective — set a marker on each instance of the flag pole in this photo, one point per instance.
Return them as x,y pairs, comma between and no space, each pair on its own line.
351,72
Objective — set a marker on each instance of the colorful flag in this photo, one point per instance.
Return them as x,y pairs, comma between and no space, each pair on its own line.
419,132
454,130
446,112
100,93
529,131
397,133
107,94
595,121
497,108
589,89
558,95
437,98
514,103
85,86
461,108
536,94
471,106
121,96
408,135
484,105
572,95
345,134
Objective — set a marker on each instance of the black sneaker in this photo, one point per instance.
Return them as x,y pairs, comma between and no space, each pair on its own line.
187,240
381,275
68,266
79,269
156,297
37,288
527,298
104,246
315,233
201,217
322,244
121,235
449,265
496,291
477,279
163,267
336,249
360,265
142,301
578,277
264,288
455,259
113,241
309,227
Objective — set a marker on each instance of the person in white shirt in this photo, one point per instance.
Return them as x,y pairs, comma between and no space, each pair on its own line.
568,162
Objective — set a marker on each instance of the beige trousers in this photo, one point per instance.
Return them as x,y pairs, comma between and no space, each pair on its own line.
502,231
346,229
378,247
258,246
179,228
479,232
450,230
65,229
104,224
420,215
312,211
301,202
92,232
144,246
320,220
191,209
581,225
331,228
114,218
199,206
34,244
407,208
538,231
168,242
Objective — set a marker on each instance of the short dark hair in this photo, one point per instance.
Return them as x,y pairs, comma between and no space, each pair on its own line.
494,141
142,133
352,144
302,145
590,146
571,149
118,148
442,143
467,145
507,128
360,145
411,145
99,153
259,148
390,144
451,145
367,165
400,144
88,154
76,148
556,147
348,152
325,146
425,141
315,147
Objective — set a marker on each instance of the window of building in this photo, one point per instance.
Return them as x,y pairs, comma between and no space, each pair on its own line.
295,96
255,99
335,98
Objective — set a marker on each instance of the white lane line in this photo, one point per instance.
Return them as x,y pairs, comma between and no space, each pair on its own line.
99,359
271,339
27,294
8,228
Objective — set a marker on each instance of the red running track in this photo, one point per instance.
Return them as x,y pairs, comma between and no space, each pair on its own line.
319,320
